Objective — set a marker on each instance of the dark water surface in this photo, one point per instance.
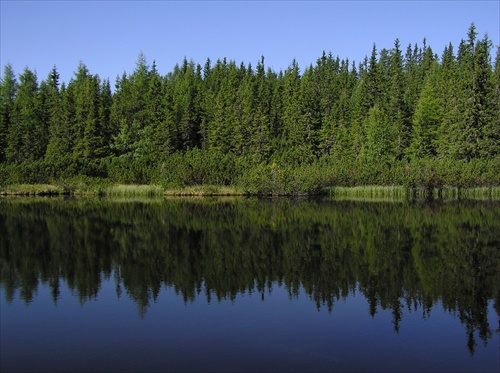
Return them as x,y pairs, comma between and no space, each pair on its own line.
248,285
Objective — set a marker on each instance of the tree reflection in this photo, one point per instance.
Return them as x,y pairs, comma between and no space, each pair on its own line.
402,257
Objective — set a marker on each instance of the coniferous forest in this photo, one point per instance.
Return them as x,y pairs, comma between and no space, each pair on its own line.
403,116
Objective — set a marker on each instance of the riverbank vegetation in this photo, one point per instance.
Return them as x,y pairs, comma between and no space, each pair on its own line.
408,118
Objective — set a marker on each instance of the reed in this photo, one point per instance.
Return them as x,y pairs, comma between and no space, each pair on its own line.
371,191
132,191
206,190
480,193
401,193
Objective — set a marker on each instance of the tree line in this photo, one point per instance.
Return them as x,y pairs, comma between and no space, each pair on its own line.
398,117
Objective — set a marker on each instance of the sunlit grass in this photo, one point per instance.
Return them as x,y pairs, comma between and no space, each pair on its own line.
132,191
205,190
371,191
388,193
480,193
32,190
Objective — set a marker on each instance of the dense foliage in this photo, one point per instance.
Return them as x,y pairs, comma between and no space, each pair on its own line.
399,117
401,257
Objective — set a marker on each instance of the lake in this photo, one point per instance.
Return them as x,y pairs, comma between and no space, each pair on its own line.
248,284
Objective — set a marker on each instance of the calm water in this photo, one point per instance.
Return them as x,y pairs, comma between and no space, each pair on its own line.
248,285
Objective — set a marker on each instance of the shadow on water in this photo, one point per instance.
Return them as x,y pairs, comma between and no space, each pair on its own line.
403,257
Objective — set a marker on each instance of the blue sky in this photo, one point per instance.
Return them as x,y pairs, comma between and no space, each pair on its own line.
109,35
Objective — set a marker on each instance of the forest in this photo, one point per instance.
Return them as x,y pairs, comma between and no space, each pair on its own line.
400,117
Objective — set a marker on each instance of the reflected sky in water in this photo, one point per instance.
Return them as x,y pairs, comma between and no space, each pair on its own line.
89,287
246,334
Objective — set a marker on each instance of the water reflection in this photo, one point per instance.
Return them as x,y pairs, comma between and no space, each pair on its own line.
402,257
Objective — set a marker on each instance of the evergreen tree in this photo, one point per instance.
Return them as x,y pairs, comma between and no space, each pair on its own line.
427,118
448,90
466,138
295,146
491,145
359,108
88,132
186,110
105,105
244,126
309,103
222,131
60,146
52,115
261,132
8,91
387,107
397,112
378,146
128,113
23,145
151,143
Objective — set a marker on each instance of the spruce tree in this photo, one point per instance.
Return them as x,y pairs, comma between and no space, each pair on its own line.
396,110
491,145
466,133
8,91
378,146
23,145
427,118
260,137
294,146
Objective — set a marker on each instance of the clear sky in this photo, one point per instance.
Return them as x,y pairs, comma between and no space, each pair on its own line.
109,35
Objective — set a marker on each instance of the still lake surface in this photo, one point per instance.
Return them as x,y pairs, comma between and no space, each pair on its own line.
247,284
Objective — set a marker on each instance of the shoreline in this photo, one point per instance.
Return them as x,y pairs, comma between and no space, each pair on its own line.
363,192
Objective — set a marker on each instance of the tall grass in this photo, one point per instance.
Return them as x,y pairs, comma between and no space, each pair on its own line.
32,190
480,193
205,190
371,191
401,193
132,191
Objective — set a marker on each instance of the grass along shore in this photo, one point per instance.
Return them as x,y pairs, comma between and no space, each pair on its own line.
118,190
357,192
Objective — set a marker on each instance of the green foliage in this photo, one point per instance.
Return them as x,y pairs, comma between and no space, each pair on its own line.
410,120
